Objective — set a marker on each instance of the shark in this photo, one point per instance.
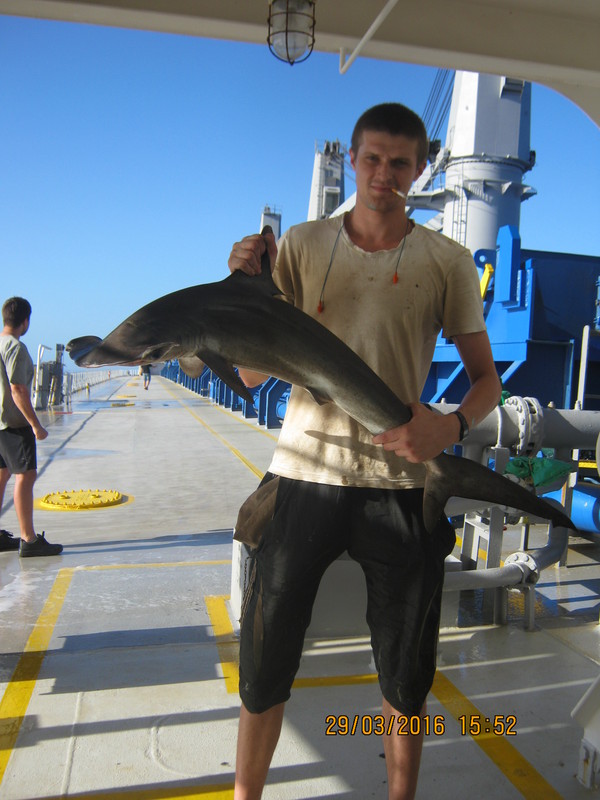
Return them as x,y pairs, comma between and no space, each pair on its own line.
241,321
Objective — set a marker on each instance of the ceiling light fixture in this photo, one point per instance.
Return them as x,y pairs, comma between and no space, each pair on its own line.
291,35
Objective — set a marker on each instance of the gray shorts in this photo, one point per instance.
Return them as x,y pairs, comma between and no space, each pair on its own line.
383,531
18,450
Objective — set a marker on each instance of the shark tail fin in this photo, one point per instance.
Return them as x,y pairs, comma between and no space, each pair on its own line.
452,476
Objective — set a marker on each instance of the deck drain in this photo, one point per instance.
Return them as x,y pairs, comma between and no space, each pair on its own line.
81,499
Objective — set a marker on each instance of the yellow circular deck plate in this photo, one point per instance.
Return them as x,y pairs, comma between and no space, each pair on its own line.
81,499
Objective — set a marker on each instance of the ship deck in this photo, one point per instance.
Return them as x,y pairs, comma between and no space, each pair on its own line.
118,658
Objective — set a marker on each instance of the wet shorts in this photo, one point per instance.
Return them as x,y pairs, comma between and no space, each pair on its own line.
17,450
383,531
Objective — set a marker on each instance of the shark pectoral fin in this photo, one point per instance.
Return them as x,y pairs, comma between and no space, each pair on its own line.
80,347
452,476
192,366
224,370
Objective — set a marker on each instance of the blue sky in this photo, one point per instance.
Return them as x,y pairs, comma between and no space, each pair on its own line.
131,161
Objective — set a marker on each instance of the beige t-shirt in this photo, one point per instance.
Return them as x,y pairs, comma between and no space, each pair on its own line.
392,326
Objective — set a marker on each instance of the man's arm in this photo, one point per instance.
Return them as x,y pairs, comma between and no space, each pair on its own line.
20,394
428,433
484,395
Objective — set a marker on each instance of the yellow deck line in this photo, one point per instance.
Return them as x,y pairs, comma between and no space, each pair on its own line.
254,425
334,680
499,750
227,644
217,435
15,700
153,565
507,758
14,703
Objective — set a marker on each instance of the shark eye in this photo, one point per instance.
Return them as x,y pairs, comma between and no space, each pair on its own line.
157,353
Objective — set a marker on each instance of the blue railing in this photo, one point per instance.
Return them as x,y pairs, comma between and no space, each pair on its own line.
270,398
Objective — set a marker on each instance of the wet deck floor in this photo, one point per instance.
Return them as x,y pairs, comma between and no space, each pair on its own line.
118,658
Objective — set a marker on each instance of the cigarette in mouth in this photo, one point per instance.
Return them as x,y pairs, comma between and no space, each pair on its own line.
399,193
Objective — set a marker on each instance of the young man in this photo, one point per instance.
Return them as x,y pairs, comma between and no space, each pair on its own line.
19,429
386,287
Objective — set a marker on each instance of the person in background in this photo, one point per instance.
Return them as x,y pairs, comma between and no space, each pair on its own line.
147,374
19,430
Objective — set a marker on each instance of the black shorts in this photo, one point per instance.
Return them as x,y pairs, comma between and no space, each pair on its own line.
383,531
17,450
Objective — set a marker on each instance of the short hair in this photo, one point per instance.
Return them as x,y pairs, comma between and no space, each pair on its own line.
397,120
15,311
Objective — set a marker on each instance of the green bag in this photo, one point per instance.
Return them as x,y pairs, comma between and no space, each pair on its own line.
538,471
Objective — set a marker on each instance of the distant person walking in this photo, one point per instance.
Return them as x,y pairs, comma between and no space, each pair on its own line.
19,429
147,374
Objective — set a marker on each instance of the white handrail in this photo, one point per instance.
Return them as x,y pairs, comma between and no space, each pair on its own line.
37,386
78,381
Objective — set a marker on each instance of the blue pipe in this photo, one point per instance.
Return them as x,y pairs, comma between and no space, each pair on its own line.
585,508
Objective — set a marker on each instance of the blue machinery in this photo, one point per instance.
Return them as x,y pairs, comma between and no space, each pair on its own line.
536,306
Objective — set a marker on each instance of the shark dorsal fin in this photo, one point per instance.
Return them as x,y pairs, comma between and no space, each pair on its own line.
264,282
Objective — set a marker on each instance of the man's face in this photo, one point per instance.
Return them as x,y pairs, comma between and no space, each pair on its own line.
384,162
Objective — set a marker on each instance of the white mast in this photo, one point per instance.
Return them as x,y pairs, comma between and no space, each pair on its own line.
271,216
487,147
327,187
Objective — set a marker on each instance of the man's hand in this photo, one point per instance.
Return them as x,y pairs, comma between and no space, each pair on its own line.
425,436
40,433
246,255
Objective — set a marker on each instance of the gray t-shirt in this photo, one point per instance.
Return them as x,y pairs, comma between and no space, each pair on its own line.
16,367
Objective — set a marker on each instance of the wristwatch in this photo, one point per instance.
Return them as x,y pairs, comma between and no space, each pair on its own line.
464,425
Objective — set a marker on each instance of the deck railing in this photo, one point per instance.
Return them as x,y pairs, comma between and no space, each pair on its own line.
270,398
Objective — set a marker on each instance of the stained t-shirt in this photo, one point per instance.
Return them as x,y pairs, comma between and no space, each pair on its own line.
391,326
